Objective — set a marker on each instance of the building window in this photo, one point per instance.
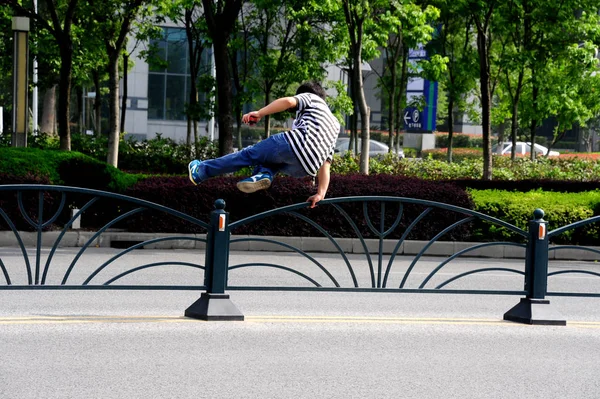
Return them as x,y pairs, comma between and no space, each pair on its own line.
169,76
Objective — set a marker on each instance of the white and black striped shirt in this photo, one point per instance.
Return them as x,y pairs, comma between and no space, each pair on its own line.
314,132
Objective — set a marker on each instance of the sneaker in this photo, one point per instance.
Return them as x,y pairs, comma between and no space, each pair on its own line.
260,181
194,172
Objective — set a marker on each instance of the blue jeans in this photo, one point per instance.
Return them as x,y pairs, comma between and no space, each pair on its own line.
273,155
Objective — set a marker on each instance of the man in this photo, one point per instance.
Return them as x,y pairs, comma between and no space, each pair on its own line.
306,149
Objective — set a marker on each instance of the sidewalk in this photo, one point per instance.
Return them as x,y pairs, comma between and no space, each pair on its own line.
119,239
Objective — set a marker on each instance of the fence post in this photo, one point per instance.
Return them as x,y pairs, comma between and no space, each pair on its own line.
535,309
214,304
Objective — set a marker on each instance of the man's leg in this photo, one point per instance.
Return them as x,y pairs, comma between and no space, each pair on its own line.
265,155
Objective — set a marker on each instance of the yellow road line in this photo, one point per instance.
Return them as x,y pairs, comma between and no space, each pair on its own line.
21,320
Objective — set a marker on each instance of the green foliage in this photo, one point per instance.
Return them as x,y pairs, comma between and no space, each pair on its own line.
158,155
64,167
517,208
470,166
458,154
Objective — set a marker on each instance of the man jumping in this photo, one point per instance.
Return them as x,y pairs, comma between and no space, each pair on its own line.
306,149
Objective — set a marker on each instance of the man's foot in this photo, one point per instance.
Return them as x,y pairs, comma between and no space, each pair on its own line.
260,181
194,172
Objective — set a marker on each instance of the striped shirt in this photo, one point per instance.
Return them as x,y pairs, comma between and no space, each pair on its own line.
314,132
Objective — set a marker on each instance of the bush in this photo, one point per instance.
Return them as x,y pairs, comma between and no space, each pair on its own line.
517,208
198,201
158,155
459,140
64,167
9,202
458,154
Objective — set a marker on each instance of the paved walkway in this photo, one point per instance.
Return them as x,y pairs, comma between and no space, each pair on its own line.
137,344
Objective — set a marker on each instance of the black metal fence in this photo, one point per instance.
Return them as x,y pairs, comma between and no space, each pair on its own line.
383,218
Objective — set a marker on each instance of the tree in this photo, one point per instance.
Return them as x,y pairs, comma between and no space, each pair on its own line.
58,17
190,15
561,52
455,42
221,16
114,20
289,43
357,14
403,26
482,14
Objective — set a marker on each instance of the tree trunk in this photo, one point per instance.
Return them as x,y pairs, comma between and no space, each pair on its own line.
392,106
401,98
48,124
364,111
113,89
501,130
124,98
267,117
224,97
450,128
64,93
97,104
79,113
534,96
484,83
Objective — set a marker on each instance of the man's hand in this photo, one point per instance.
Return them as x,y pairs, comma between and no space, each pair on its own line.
251,117
313,199
323,177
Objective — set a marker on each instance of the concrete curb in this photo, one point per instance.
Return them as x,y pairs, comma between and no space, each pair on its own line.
118,239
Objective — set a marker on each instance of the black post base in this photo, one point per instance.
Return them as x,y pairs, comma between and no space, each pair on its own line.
214,307
535,311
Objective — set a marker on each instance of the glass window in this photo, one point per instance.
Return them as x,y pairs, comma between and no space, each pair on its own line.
156,96
169,76
175,98
177,51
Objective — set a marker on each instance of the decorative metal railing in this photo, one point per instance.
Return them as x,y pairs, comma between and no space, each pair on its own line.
38,218
560,248
384,221
379,265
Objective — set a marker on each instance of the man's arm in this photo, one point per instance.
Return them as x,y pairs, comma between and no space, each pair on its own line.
279,105
323,176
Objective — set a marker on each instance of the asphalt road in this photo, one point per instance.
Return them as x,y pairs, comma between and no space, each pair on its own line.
137,344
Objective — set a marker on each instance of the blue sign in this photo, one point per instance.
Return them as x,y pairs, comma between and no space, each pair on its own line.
415,120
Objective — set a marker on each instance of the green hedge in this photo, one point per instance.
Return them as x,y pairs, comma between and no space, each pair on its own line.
64,167
560,210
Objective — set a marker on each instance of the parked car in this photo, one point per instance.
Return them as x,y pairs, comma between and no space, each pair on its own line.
376,148
524,148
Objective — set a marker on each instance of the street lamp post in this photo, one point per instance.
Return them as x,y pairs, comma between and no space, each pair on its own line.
20,26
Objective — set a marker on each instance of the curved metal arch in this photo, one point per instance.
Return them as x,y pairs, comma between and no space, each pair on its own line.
40,223
96,235
361,238
381,233
106,194
61,235
407,200
401,240
559,247
426,247
597,274
571,226
489,269
5,272
21,245
332,240
127,250
462,252
299,251
277,267
108,282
